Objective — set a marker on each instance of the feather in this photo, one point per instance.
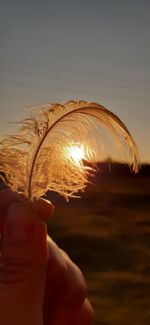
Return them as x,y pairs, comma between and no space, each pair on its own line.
39,157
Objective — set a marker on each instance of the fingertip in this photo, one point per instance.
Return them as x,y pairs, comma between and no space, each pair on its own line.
44,208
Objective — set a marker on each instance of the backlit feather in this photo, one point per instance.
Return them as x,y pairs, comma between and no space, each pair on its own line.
38,158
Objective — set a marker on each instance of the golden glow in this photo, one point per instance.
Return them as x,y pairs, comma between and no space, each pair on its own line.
76,153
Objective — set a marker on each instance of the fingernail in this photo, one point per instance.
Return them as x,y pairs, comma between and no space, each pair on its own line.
19,222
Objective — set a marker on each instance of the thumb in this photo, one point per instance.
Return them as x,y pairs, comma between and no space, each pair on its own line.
23,262
24,240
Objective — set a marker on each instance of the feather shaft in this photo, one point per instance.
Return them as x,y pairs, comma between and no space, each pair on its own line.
39,147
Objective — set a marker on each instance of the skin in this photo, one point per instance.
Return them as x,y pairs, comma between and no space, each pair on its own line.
39,284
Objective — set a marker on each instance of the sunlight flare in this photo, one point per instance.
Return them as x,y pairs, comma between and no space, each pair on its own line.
76,153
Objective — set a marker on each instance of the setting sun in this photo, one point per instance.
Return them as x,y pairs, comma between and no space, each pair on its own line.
76,153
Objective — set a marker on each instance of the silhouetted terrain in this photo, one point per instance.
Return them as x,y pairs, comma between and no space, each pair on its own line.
107,233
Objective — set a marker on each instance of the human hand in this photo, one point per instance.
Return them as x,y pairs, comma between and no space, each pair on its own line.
39,284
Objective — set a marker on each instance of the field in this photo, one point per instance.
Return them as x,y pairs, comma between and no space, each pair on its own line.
107,233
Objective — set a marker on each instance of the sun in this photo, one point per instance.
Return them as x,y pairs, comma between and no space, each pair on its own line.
76,153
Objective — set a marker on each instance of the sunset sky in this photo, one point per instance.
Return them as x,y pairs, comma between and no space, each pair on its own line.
94,50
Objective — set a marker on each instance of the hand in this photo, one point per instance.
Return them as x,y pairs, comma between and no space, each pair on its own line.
39,284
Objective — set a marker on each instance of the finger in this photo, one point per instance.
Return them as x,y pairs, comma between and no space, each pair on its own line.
65,287
24,238
56,278
65,281
85,316
23,264
70,316
44,208
7,197
76,289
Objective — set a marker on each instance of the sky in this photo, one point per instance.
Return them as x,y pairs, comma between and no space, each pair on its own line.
94,50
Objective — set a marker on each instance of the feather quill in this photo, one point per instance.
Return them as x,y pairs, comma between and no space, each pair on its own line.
37,159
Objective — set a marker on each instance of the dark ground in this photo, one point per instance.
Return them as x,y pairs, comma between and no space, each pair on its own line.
107,233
